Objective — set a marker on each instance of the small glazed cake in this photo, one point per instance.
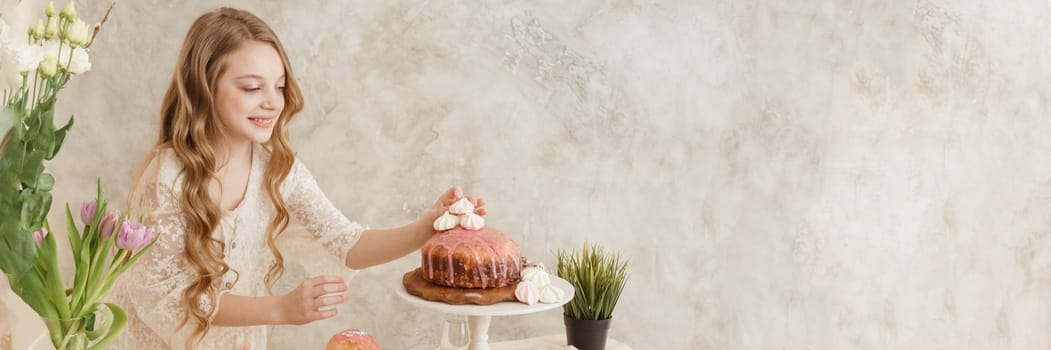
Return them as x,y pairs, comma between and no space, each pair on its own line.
465,258
352,339
465,262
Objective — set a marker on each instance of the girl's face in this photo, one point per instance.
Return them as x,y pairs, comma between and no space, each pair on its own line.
251,92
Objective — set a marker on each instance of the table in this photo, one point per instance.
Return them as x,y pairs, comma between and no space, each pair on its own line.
552,342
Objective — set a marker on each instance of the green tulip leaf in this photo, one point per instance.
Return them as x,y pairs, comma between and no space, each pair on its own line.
120,319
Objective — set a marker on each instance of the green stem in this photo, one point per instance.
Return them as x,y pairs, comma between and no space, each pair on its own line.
59,58
36,87
65,77
107,279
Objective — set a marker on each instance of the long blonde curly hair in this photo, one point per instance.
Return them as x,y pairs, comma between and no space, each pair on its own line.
189,122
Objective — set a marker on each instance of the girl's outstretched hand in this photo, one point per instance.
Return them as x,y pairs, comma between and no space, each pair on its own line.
454,194
301,306
446,200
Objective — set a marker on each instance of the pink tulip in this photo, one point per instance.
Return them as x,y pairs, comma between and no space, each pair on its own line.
87,212
133,235
39,235
108,223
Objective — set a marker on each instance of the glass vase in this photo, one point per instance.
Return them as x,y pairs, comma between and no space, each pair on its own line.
65,334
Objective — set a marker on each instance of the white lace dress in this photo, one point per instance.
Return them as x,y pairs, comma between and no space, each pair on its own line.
151,291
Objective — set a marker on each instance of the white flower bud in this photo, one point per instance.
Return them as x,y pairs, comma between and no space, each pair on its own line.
39,29
48,66
69,12
52,28
78,34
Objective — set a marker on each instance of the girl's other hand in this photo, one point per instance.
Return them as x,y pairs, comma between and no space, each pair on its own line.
302,305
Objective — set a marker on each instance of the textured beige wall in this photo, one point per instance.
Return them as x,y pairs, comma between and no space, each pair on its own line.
783,174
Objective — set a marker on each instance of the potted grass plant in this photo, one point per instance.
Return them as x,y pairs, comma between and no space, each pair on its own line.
598,276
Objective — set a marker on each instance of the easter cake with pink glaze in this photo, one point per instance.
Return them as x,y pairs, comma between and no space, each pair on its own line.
465,262
462,258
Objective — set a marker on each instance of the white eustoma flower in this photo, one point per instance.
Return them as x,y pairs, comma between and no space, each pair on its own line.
50,50
16,54
81,62
10,79
78,33
28,57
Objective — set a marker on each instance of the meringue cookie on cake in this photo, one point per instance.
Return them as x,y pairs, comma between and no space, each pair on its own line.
462,206
551,294
446,222
527,293
472,221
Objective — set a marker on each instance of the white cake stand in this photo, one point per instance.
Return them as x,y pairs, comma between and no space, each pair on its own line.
478,316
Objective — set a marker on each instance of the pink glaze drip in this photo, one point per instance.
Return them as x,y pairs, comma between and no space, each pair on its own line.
474,242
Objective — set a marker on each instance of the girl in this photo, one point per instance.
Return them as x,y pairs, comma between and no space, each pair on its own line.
221,185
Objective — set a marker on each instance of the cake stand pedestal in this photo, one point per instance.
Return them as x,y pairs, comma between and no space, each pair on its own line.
479,316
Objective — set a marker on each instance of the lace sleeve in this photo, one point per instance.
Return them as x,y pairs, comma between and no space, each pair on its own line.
309,206
155,285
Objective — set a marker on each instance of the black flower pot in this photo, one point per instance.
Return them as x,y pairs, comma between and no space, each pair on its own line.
586,334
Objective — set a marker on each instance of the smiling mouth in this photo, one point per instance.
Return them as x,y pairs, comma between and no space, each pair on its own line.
262,121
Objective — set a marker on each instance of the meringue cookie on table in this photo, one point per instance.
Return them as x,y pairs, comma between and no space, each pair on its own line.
462,206
472,221
446,222
527,293
551,294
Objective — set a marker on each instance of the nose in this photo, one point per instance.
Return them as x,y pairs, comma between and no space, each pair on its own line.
275,100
